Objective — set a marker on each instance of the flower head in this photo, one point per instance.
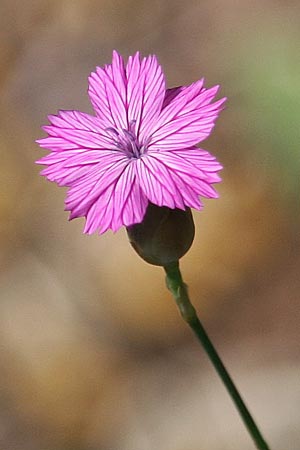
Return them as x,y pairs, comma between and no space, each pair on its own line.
139,148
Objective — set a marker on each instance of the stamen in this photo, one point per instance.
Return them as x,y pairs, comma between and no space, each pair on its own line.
126,141
130,134
132,124
112,130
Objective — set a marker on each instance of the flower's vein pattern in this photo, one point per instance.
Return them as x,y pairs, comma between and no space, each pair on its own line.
140,146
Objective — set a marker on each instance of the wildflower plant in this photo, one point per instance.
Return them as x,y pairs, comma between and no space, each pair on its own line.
136,163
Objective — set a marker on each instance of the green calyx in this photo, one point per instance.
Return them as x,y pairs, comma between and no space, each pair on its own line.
164,235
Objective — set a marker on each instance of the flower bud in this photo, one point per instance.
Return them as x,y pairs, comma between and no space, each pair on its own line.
164,235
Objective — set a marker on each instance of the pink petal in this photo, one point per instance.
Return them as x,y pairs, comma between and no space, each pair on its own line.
71,169
187,119
74,130
145,92
181,99
188,192
156,182
185,173
87,189
121,203
107,91
75,119
204,161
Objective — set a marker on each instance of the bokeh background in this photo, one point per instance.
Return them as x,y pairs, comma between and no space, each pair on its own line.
93,354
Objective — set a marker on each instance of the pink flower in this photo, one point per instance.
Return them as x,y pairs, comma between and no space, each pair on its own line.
140,146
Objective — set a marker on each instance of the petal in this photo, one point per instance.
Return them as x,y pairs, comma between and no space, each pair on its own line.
189,194
74,130
107,92
75,119
87,189
178,102
189,178
145,92
171,94
121,203
203,160
156,182
187,119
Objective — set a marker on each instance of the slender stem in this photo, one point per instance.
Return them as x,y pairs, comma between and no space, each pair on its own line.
179,290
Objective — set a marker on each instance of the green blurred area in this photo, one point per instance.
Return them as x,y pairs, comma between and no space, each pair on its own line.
93,352
271,75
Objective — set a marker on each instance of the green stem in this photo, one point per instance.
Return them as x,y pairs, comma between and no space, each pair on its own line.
179,290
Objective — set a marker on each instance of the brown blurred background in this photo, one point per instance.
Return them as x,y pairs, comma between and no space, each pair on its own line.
93,353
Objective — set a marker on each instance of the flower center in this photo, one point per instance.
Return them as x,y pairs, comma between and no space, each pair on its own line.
127,141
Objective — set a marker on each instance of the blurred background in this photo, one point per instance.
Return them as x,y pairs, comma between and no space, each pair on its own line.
93,353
